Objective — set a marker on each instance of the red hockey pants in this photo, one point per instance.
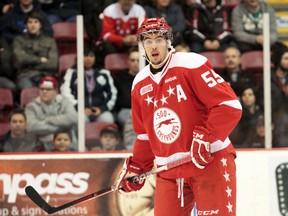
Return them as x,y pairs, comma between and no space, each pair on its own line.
214,191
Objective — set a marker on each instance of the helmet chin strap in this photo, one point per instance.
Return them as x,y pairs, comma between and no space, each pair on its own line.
157,66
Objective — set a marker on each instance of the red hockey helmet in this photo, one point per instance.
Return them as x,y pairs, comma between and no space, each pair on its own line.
154,25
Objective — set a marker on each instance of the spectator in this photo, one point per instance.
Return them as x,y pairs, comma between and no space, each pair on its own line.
35,53
100,92
183,47
13,23
120,23
93,14
6,67
256,136
251,111
172,13
281,119
61,10
123,82
109,140
18,139
6,6
62,141
50,112
129,133
279,75
233,73
208,27
247,24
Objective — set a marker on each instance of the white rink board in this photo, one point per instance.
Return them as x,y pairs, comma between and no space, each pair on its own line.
257,193
256,182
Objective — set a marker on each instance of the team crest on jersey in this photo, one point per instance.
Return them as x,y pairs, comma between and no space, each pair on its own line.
167,125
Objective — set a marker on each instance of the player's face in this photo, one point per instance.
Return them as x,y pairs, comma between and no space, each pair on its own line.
108,141
33,26
248,98
62,142
155,46
17,125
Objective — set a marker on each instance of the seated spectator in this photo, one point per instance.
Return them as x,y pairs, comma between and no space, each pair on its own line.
233,73
183,47
247,24
129,133
172,13
92,16
100,92
123,81
62,141
256,136
120,25
109,140
13,23
18,139
61,10
35,53
250,113
281,119
50,112
6,67
279,74
208,27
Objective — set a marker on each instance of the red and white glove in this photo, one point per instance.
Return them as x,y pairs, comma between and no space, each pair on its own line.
201,146
126,183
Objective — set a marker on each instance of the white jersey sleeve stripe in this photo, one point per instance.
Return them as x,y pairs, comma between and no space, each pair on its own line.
232,103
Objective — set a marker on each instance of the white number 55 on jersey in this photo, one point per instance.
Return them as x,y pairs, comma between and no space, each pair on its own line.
211,78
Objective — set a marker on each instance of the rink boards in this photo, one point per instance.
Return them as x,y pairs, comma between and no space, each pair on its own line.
262,183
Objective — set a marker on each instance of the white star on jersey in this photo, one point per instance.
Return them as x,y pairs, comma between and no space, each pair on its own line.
226,176
224,162
163,100
149,99
229,192
229,206
155,103
171,91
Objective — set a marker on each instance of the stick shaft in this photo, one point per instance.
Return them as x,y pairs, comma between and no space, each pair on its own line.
39,201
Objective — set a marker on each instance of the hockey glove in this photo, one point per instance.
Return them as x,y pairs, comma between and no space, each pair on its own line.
200,148
126,183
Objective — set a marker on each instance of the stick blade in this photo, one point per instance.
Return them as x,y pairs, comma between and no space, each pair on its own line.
38,200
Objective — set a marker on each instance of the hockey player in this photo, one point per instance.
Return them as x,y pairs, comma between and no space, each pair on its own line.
181,107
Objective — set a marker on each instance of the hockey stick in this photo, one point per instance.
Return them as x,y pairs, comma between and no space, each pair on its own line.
39,201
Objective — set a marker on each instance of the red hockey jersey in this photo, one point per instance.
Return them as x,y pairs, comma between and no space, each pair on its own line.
168,105
116,24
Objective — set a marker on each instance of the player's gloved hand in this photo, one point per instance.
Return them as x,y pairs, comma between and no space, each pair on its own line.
126,183
200,147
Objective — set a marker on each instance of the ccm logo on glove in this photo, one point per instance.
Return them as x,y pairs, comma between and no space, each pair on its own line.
201,147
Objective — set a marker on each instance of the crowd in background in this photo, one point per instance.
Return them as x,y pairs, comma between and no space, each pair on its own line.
29,58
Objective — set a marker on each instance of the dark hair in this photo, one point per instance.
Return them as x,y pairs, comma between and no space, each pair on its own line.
34,15
17,111
60,131
277,56
110,130
88,49
133,49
